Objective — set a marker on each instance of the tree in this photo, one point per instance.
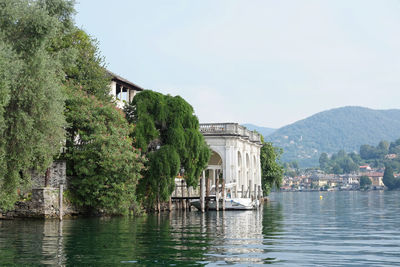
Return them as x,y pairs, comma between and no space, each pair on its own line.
294,165
355,157
167,132
323,161
101,159
31,94
365,182
336,169
383,148
367,152
348,165
339,163
271,169
341,154
84,66
388,179
394,147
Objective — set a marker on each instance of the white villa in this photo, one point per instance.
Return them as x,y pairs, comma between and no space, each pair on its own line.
235,154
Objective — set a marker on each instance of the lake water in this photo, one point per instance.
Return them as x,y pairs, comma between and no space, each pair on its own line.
293,229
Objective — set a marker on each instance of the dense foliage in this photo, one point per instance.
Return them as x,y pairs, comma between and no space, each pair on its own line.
330,131
31,97
53,82
101,158
384,154
365,182
271,169
388,179
340,163
168,133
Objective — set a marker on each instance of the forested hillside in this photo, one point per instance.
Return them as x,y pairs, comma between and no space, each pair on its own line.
265,131
344,128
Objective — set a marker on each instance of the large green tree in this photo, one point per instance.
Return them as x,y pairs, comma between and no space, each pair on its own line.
31,93
102,162
167,131
324,161
271,169
389,180
365,182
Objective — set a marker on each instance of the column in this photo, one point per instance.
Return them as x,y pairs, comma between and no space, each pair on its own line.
208,190
216,190
223,194
202,188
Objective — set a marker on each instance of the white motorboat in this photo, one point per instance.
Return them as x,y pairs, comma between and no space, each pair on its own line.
230,204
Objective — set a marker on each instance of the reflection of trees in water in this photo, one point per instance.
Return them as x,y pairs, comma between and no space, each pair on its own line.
272,220
272,228
173,238
181,238
144,241
94,241
32,242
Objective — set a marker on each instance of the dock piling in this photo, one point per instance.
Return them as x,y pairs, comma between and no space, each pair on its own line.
217,190
208,191
223,194
202,188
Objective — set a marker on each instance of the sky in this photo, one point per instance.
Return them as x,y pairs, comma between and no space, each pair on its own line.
265,62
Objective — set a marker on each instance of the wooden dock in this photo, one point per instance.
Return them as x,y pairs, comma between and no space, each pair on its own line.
183,195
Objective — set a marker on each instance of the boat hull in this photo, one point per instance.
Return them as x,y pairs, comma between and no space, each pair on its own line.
230,204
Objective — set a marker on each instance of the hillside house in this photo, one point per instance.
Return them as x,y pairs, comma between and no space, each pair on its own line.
376,179
365,168
350,179
122,90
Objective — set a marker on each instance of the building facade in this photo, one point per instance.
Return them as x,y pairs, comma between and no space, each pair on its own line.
122,90
235,155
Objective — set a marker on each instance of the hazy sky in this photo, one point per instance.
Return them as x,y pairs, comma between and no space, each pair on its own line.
267,62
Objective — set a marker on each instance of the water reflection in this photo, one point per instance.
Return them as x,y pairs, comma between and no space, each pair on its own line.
31,241
165,239
297,229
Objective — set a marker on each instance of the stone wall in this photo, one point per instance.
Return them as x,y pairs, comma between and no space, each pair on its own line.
57,176
44,203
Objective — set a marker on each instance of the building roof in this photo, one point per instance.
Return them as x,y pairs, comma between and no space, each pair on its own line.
124,81
365,167
375,174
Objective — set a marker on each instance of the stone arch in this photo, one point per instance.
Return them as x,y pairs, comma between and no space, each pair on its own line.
215,158
215,166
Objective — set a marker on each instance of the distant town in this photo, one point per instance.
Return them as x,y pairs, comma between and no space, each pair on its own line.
318,180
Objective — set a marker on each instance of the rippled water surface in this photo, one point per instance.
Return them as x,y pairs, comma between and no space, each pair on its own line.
293,229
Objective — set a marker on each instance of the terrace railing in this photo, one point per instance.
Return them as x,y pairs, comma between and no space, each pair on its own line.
233,129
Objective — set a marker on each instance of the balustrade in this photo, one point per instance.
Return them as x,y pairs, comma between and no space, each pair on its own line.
229,129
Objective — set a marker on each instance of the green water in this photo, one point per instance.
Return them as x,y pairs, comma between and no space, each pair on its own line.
294,229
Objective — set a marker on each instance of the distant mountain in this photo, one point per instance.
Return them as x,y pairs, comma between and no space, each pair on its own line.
329,131
262,130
